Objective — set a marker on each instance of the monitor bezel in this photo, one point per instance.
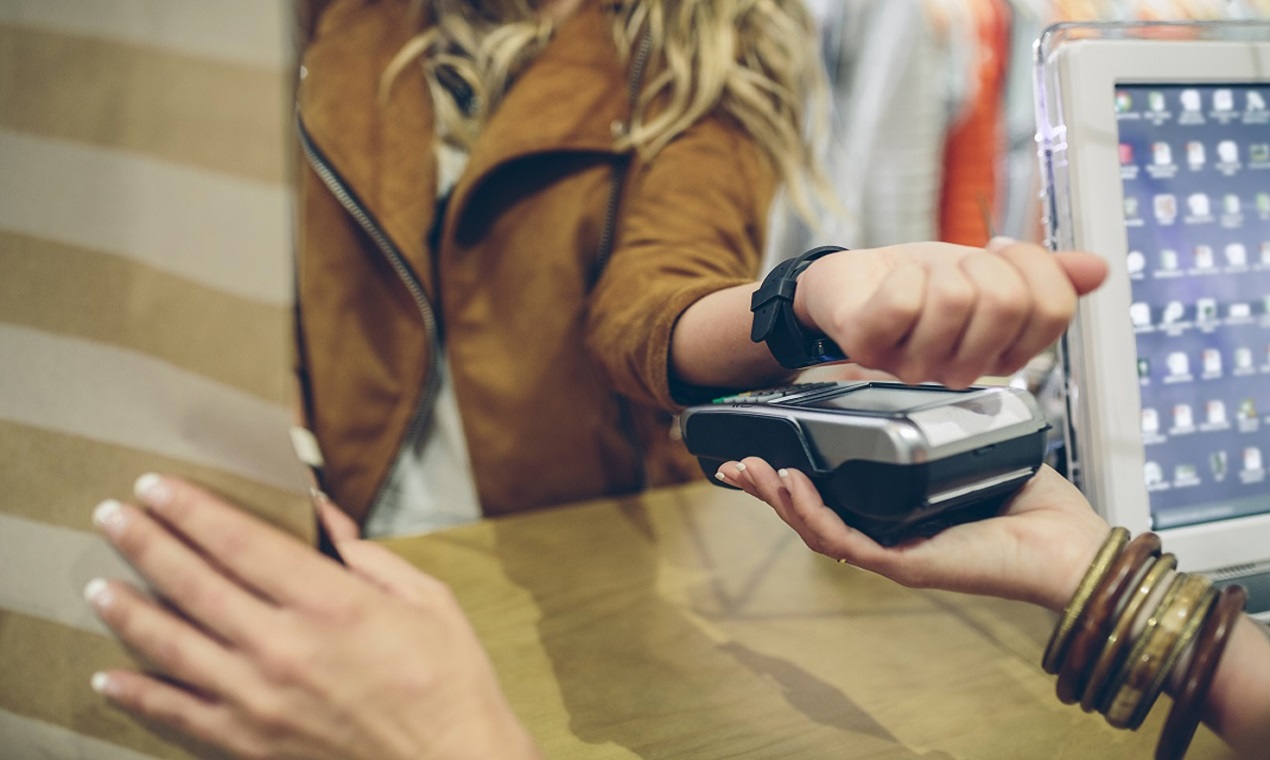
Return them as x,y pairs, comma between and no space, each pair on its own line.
1104,399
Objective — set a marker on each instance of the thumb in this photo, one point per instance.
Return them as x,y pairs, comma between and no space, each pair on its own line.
1085,270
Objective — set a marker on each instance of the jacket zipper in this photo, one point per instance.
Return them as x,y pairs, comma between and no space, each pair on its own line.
423,412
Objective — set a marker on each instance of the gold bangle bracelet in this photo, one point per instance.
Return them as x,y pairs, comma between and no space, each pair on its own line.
1199,597
1117,645
1057,646
1120,699
1146,668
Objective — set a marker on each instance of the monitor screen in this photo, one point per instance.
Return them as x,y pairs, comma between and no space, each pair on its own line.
1195,167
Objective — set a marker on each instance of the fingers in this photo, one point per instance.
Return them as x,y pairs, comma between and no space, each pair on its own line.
339,526
179,574
1052,303
153,700
391,573
172,645
264,559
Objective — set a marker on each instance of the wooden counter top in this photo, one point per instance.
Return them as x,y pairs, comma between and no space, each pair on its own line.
692,623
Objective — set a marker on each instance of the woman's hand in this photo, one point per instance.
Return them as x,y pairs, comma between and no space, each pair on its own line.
945,313
1037,550
265,648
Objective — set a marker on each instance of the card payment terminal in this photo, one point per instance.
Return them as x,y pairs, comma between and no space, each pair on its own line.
893,460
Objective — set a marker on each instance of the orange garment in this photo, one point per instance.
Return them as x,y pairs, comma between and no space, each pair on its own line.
970,158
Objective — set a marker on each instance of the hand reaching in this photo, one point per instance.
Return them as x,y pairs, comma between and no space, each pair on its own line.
936,312
270,649
1037,550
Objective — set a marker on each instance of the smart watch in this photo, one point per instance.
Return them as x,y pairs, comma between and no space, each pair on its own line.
775,323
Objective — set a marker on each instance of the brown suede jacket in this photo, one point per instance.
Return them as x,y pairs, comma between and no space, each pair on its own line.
553,369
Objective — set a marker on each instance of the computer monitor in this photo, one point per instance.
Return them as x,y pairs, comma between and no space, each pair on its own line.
1155,141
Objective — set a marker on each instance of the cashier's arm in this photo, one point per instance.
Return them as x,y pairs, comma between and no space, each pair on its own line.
923,312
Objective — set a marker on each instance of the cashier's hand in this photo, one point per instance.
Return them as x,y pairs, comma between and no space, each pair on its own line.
1037,550
945,313
265,648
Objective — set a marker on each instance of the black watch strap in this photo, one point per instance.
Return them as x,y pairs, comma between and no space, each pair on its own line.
774,320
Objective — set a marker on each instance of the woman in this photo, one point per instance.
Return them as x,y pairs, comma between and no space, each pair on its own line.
531,230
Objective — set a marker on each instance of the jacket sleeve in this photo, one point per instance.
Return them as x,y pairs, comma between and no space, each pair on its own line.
693,221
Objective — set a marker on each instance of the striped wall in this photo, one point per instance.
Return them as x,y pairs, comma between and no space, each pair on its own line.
144,313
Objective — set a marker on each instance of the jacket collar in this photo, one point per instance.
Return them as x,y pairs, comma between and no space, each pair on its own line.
567,100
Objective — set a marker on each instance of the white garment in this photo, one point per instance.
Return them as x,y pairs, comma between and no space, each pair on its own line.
431,485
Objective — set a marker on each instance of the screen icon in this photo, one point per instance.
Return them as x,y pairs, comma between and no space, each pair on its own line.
1183,418
1215,412
1140,314
1126,154
1217,463
1161,154
1211,359
1259,153
1135,262
1155,100
1199,205
1240,310
1224,100
1204,257
1153,474
1169,260
1228,152
1173,312
1230,204
1190,100
1179,364
1237,255
1252,459
1206,310
1144,368
1243,358
1195,154
1247,410
1255,101
1263,203
1150,421
1131,212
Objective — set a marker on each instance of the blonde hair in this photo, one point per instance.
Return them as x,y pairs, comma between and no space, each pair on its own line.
755,62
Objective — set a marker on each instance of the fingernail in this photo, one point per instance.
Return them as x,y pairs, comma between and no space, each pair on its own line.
784,473
720,475
1000,242
151,489
102,684
740,467
98,594
109,517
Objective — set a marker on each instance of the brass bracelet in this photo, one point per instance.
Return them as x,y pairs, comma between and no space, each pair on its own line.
1118,703
1061,638
1147,666
1201,597
1116,647
1091,628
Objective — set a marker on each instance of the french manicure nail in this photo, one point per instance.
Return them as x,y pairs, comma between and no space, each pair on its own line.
740,466
108,516
720,475
98,594
784,473
999,242
102,684
151,489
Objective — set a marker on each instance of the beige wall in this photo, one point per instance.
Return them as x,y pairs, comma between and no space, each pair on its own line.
144,311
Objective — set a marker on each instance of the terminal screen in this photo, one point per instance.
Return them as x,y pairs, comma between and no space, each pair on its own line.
1195,167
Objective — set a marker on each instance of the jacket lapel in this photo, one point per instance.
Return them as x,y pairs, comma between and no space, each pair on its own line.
568,99
381,150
